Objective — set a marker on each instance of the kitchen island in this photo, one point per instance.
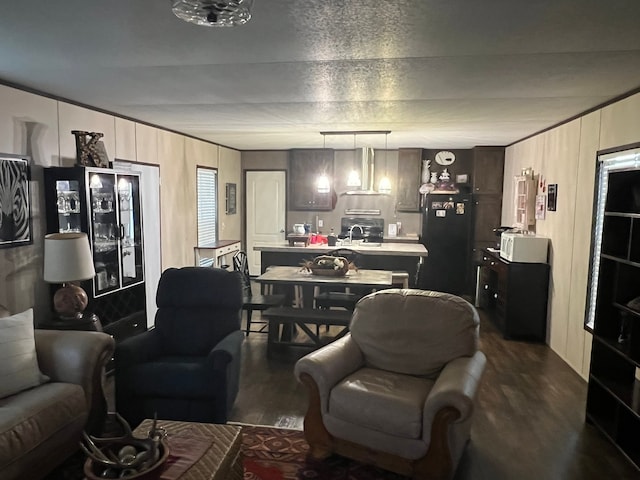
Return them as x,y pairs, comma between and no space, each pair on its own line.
383,256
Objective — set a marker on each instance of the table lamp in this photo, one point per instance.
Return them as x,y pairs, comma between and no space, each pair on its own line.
67,259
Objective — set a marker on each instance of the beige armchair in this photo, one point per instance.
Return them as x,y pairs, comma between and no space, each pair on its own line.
399,390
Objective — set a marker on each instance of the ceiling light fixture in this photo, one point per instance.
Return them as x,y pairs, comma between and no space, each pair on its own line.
213,13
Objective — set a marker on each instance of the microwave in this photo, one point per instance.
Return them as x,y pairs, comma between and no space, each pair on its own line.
518,247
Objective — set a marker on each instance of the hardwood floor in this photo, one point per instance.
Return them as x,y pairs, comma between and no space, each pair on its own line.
529,423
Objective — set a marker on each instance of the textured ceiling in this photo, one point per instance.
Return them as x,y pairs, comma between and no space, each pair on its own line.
437,73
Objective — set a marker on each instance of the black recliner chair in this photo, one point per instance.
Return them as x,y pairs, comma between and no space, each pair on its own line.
187,367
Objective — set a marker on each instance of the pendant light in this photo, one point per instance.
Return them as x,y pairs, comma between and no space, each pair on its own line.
353,180
385,183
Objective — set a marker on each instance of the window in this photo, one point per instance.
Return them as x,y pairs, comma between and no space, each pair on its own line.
207,210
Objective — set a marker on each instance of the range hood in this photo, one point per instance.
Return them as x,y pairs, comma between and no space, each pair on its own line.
367,165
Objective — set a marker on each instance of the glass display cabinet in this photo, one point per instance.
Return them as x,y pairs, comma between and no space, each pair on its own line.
105,204
613,301
525,197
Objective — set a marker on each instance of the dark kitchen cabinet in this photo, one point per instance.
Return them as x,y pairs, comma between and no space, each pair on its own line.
305,167
613,303
488,175
487,210
515,295
409,179
488,170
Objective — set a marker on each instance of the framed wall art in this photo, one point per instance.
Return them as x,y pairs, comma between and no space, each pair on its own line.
552,197
15,201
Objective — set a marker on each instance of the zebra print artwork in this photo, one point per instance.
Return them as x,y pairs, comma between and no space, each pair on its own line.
15,201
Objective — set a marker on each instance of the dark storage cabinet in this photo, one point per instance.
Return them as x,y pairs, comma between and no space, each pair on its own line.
515,295
613,303
305,166
124,328
409,179
488,174
105,204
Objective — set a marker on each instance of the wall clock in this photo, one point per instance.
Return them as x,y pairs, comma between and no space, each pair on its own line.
445,158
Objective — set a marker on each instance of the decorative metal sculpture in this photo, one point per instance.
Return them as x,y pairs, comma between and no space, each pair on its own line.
126,456
90,150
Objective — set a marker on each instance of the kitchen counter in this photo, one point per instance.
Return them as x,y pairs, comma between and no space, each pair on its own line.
385,256
384,249
408,238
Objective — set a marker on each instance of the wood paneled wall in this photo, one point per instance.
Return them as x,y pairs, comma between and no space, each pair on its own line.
41,127
566,155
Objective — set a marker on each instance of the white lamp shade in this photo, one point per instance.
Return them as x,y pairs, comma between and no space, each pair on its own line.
67,258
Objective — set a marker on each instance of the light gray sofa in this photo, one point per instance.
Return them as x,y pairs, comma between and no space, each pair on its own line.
42,426
399,390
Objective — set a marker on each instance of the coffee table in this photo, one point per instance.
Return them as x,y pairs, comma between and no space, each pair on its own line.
223,459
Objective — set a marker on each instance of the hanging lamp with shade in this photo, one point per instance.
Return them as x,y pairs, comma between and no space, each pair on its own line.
365,176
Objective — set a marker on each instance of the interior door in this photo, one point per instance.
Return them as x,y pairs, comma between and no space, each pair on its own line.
265,200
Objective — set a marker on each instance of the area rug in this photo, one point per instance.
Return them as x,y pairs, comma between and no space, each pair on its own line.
281,454
271,454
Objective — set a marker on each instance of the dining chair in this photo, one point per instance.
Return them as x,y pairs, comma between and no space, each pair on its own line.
251,302
342,299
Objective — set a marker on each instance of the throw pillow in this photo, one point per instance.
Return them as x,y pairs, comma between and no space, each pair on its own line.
19,368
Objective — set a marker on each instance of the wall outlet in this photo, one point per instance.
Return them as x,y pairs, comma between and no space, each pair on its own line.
320,223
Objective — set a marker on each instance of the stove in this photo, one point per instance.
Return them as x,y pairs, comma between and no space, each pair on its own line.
372,228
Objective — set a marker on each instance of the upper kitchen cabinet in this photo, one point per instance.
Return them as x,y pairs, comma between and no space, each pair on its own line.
488,170
488,175
409,170
305,167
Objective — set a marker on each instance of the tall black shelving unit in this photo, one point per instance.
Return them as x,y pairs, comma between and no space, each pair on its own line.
613,302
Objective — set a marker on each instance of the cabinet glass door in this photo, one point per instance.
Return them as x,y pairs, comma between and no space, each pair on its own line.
130,229
68,200
104,231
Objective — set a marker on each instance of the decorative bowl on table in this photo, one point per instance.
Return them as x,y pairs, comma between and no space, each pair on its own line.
329,266
125,456
94,470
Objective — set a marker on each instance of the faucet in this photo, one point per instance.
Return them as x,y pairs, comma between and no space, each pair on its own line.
351,232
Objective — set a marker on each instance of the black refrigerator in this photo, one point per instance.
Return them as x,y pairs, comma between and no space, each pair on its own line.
447,233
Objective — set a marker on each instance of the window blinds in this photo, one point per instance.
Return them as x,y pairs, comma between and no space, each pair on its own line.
207,210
